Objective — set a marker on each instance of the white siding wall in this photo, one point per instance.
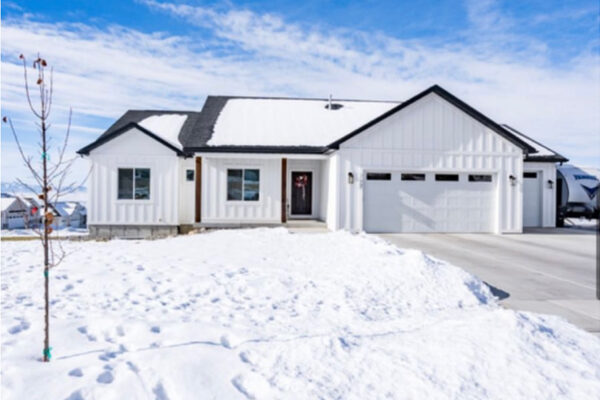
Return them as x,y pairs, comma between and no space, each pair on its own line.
133,149
429,135
187,191
216,208
324,190
548,172
333,192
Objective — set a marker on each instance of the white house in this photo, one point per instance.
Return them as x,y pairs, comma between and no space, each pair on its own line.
14,212
429,164
71,214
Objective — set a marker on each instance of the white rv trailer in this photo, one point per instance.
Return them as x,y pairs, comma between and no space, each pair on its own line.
577,192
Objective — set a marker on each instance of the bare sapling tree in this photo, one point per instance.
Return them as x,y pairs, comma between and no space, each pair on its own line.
48,177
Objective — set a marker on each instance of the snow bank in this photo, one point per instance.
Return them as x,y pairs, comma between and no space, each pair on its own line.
289,122
62,232
165,126
268,314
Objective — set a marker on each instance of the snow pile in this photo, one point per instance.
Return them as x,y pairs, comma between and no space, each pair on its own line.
289,122
165,126
268,314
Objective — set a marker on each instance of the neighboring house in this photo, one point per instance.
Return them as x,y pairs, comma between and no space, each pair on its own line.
14,212
429,164
71,214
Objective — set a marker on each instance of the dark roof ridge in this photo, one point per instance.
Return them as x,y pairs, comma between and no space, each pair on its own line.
300,98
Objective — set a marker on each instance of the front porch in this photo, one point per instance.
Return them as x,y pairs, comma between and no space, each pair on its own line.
243,190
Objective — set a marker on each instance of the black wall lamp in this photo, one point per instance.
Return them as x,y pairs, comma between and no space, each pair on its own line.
513,180
550,183
350,178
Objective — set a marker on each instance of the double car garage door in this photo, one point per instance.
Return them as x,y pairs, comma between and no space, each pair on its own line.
429,202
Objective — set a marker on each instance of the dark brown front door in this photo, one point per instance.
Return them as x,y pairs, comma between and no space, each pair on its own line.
301,193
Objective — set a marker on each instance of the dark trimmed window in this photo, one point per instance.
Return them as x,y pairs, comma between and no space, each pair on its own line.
530,175
243,184
446,177
480,178
413,177
189,175
379,176
133,184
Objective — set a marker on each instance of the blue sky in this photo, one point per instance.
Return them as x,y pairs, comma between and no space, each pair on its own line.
532,64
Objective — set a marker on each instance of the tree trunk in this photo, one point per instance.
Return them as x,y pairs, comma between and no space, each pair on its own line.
45,241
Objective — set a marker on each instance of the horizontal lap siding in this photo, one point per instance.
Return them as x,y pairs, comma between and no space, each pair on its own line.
216,208
430,135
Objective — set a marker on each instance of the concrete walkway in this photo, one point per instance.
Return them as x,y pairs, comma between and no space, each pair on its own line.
549,271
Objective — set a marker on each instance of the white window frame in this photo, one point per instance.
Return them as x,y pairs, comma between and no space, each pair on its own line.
133,199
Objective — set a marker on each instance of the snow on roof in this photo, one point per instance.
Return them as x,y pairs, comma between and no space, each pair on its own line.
290,122
165,126
541,149
65,208
5,202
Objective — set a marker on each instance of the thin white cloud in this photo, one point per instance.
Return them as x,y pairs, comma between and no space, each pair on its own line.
103,72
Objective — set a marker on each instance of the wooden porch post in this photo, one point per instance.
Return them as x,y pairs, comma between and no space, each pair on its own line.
198,189
283,189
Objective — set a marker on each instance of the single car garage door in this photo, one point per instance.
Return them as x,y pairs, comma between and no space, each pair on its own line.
429,202
532,199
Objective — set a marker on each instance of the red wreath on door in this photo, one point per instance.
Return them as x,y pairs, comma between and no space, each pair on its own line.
301,181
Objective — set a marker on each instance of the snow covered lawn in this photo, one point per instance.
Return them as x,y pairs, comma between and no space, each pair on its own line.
26,233
267,314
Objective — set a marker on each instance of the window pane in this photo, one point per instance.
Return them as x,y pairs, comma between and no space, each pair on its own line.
234,184
189,175
530,175
251,184
480,178
125,185
413,177
142,183
377,176
446,177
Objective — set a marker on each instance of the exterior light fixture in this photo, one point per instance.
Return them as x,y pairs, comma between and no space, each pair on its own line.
350,178
513,180
550,183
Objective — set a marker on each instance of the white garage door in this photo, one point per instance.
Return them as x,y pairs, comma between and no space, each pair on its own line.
532,199
429,202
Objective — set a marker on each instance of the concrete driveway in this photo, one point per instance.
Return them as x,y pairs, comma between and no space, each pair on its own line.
549,271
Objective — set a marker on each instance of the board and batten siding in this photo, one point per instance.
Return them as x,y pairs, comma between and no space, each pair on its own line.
548,172
429,135
130,150
218,210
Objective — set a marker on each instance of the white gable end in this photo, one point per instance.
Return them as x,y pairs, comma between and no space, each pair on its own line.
432,124
135,142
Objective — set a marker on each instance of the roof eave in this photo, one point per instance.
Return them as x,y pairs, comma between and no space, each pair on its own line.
258,149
